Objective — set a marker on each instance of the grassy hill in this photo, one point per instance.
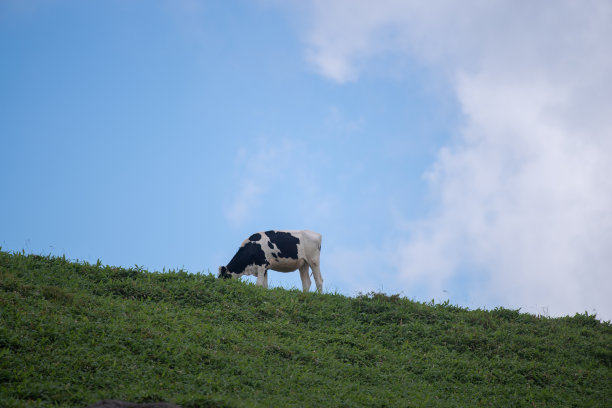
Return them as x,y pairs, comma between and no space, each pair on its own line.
74,333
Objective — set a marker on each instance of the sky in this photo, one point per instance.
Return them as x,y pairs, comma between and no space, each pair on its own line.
445,150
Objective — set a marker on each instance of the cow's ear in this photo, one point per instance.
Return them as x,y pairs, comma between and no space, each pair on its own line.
223,272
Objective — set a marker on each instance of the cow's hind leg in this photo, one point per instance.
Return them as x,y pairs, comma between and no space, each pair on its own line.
305,277
313,256
316,274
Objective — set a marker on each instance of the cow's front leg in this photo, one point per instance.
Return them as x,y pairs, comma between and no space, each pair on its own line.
262,277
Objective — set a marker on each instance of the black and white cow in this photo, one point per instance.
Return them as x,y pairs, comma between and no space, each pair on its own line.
283,251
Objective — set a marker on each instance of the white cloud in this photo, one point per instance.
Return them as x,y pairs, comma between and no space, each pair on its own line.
278,185
256,172
338,123
525,194
245,199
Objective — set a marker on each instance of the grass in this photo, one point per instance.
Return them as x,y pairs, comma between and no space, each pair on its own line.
73,333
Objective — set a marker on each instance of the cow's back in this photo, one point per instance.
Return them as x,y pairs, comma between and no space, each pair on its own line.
287,250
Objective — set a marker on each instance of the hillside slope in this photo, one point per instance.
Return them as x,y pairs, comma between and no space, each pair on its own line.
74,333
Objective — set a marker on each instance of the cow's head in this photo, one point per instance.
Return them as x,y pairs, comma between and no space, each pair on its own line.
226,274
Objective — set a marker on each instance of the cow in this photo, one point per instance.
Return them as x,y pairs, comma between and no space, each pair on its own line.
282,251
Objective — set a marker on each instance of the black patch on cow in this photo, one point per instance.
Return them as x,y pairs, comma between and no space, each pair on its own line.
286,243
270,245
255,237
249,254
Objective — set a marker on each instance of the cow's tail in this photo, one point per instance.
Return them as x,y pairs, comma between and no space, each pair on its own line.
320,240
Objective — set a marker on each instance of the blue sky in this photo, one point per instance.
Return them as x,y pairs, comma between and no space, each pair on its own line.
437,156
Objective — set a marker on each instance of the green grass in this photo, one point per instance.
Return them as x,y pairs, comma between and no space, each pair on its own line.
74,333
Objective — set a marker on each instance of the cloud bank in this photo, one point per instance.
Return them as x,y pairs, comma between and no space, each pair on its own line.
524,193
